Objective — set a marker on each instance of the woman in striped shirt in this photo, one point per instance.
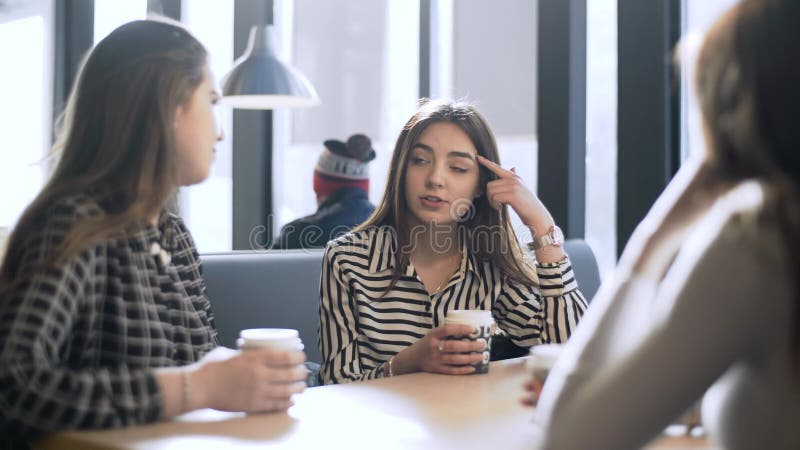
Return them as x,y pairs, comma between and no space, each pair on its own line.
441,240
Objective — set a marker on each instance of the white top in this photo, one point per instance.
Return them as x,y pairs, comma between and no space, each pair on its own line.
721,319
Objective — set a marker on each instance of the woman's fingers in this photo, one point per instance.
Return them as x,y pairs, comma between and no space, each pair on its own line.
498,199
462,346
254,380
496,168
452,356
532,386
275,395
510,191
461,359
456,370
277,358
532,389
283,391
286,375
269,405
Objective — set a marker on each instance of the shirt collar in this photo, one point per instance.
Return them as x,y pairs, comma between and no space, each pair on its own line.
165,232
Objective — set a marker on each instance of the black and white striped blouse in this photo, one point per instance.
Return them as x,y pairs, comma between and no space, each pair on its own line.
360,330
79,341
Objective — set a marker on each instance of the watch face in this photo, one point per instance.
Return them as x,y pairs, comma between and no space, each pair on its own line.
558,235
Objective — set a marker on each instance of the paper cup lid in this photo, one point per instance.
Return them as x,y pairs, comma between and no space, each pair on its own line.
268,334
279,338
470,317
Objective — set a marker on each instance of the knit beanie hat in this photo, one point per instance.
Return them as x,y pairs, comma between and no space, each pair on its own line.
343,164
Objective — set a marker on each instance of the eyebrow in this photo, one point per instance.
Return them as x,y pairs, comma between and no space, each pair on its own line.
453,153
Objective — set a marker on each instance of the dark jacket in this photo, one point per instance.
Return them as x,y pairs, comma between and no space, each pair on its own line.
341,211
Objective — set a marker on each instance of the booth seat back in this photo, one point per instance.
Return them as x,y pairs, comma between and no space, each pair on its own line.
265,289
280,289
584,265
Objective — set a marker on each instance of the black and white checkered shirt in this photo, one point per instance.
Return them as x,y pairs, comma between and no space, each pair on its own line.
78,342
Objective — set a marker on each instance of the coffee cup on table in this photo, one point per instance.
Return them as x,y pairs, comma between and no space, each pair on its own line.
482,322
272,338
542,359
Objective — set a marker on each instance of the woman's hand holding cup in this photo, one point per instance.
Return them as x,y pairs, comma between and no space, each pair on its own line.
461,346
262,377
437,352
256,380
541,360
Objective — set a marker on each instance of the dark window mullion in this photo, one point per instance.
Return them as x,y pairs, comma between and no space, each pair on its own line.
73,37
252,147
648,118
425,42
561,112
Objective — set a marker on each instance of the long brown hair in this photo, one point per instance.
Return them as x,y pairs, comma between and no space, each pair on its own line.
488,232
748,82
116,140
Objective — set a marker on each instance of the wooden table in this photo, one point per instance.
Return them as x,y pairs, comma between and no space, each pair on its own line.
418,411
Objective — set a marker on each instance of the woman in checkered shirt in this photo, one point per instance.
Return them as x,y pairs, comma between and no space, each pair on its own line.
104,319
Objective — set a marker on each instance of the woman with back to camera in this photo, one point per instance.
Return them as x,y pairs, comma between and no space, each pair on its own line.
441,240
104,318
705,298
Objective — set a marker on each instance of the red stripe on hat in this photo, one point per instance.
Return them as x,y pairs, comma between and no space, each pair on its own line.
325,185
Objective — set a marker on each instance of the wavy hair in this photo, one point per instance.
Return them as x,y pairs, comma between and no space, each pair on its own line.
488,232
748,82
115,140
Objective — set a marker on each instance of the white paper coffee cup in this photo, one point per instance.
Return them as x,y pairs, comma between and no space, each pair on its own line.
483,323
542,359
273,338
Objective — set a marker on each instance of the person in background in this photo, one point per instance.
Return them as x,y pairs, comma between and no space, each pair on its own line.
705,301
341,182
104,319
441,240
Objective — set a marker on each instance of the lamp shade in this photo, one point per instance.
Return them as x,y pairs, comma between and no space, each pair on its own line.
259,80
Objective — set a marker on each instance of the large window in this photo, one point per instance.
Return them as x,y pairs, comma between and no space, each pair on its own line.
207,207
493,54
212,24
601,131
25,115
363,58
109,14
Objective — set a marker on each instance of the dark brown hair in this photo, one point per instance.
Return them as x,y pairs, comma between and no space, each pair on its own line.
116,139
748,83
499,243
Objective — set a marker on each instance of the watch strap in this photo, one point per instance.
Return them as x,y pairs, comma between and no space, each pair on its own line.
545,240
